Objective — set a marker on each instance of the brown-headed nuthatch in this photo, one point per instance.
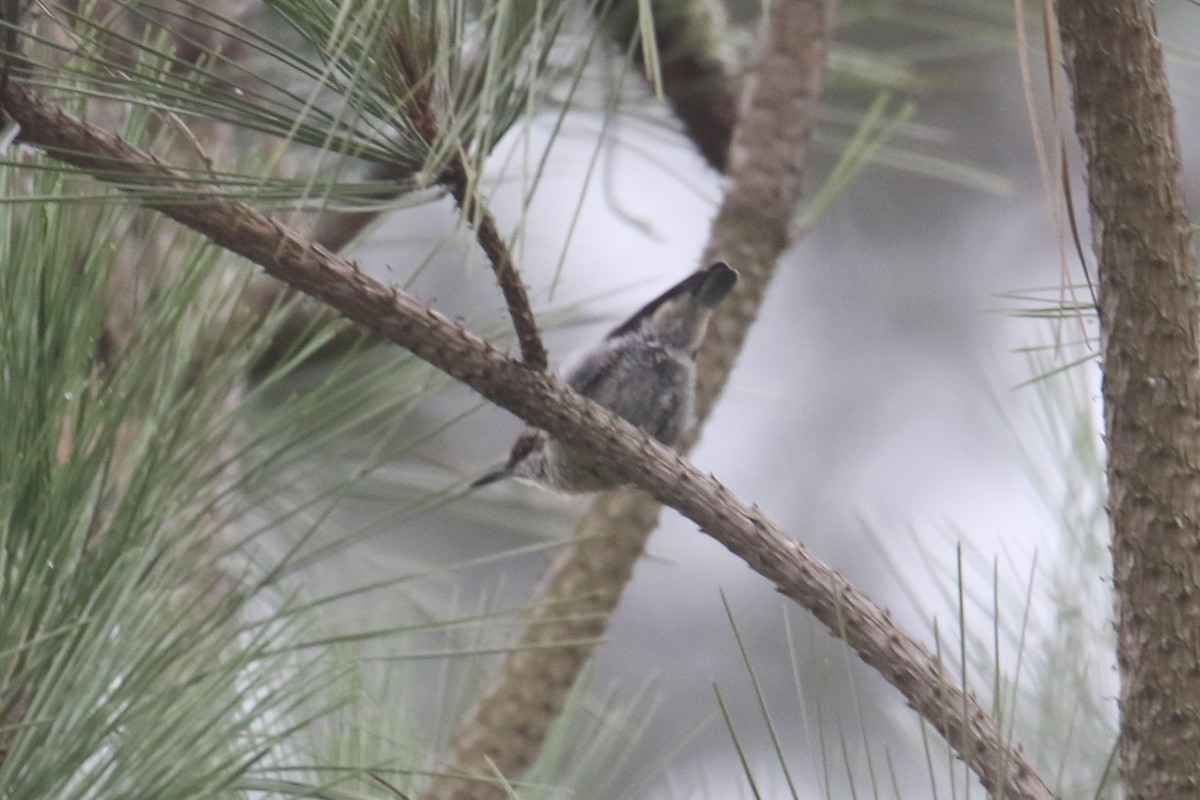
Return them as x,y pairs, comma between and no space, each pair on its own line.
644,371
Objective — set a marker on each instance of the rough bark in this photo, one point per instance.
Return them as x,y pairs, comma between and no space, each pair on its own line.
546,402
583,585
1151,371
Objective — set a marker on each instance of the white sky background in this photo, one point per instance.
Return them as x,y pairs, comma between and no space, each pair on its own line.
872,404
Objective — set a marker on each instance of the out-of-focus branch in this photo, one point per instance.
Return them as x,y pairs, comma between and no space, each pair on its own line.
546,402
1149,324
695,72
335,230
508,725
697,84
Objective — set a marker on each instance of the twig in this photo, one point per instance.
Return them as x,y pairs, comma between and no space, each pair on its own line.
335,230
414,88
525,694
544,401
456,179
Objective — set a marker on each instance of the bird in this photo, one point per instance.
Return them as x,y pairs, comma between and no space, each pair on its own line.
644,371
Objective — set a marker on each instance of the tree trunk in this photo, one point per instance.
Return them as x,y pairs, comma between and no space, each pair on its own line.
1148,317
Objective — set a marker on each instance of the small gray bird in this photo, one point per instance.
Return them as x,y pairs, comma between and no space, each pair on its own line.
644,371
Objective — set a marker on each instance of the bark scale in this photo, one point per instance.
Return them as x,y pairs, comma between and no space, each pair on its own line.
1151,371
583,585
545,402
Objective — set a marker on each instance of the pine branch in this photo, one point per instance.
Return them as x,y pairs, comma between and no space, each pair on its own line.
411,85
524,696
1149,323
546,402
487,234
415,94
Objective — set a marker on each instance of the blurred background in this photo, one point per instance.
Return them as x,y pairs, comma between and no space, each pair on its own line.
909,405
292,570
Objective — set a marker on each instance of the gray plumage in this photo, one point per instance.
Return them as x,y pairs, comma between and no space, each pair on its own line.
644,371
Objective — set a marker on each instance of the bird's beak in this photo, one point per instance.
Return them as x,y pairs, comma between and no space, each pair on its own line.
498,474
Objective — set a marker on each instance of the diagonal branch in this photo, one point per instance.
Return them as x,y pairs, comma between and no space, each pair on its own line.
546,402
521,700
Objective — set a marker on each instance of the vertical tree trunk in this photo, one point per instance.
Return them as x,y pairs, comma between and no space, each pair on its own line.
507,728
1148,316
